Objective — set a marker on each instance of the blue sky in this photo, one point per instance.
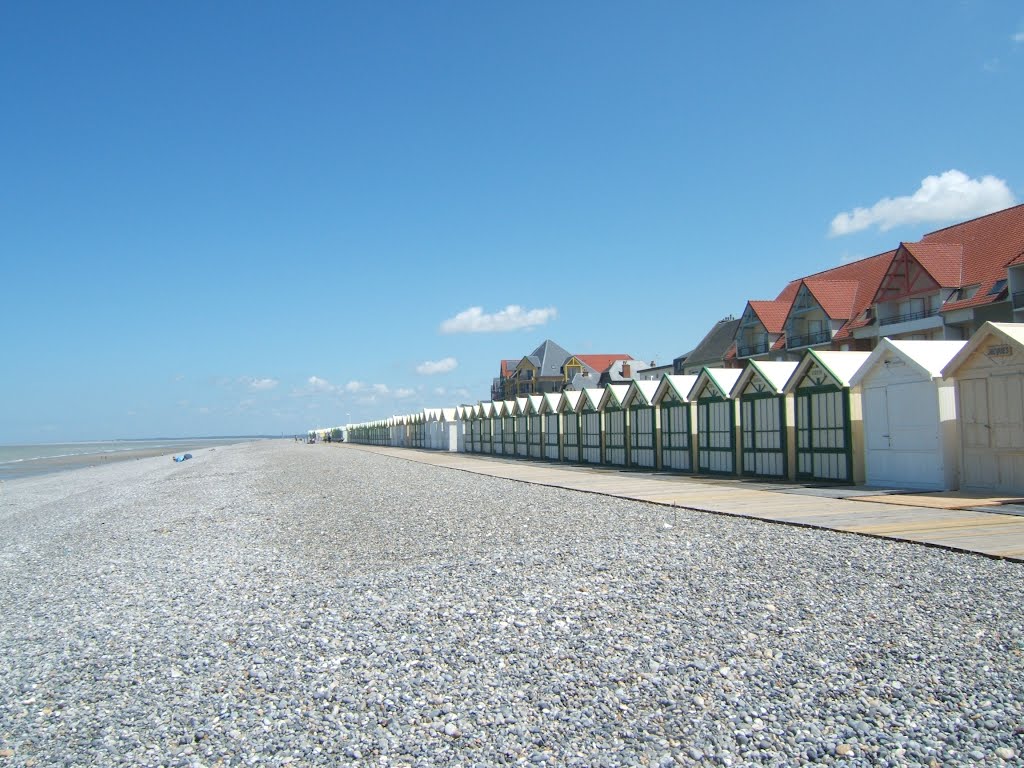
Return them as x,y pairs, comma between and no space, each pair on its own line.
242,218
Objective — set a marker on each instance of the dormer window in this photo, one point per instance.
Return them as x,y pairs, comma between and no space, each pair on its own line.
997,287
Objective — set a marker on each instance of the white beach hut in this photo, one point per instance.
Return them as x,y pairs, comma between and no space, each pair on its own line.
716,420
614,418
452,438
911,435
989,373
551,420
568,404
642,423
672,399
766,418
827,416
591,434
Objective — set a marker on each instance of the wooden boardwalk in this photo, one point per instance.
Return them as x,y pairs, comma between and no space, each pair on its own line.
986,533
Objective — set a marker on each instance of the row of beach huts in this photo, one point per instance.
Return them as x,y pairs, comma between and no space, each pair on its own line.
928,415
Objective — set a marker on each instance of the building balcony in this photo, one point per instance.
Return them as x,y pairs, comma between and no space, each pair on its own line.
808,339
907,317
748,350
1018,299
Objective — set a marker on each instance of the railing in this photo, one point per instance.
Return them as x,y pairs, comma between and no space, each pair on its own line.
752,349
818,337
1018,299
907,317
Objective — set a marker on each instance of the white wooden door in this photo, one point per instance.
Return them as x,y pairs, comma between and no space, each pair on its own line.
1006,410
980,469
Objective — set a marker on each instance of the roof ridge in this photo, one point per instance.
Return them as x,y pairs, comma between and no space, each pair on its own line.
971,221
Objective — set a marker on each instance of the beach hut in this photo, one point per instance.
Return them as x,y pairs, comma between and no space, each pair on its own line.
450,435
911,438
508,427
551,420
672,399
614,417
497,428
472,417
522,427
416,430
989,373
534,432
827,416
487,417
589,410
568,402
766,418
642,424
716,420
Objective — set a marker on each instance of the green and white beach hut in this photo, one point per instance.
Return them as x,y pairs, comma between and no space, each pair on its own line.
766,418
827,416
473,420
614,413
522,427
591,434
642,423
534,431
551,420
716,420
672,399
572,435
487,418
508,427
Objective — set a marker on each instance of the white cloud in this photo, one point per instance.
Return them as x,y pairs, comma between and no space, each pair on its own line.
320,385
262,385
431,367
381,389
404,392
355,386
1019,37
946,197
511,318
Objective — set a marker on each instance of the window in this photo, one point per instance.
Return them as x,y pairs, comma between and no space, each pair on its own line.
997,287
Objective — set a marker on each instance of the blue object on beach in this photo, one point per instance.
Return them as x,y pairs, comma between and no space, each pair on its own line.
182,458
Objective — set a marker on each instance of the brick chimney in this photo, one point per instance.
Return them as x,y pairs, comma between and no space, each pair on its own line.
627,372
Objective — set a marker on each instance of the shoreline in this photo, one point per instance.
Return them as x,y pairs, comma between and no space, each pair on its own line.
48,465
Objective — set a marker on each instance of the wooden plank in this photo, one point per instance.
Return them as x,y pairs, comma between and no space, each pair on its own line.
934,519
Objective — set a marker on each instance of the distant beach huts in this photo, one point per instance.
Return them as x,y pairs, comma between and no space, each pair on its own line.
927,415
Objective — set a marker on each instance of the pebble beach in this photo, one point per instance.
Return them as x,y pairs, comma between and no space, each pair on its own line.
278,603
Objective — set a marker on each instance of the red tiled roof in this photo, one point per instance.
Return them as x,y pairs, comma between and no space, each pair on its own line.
835,297
943,261
772,314
1017,261
602,363
507,366
989,243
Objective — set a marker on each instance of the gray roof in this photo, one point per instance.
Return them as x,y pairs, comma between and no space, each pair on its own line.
712,348
549,358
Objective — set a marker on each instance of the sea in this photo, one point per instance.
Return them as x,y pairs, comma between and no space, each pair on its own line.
47,458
